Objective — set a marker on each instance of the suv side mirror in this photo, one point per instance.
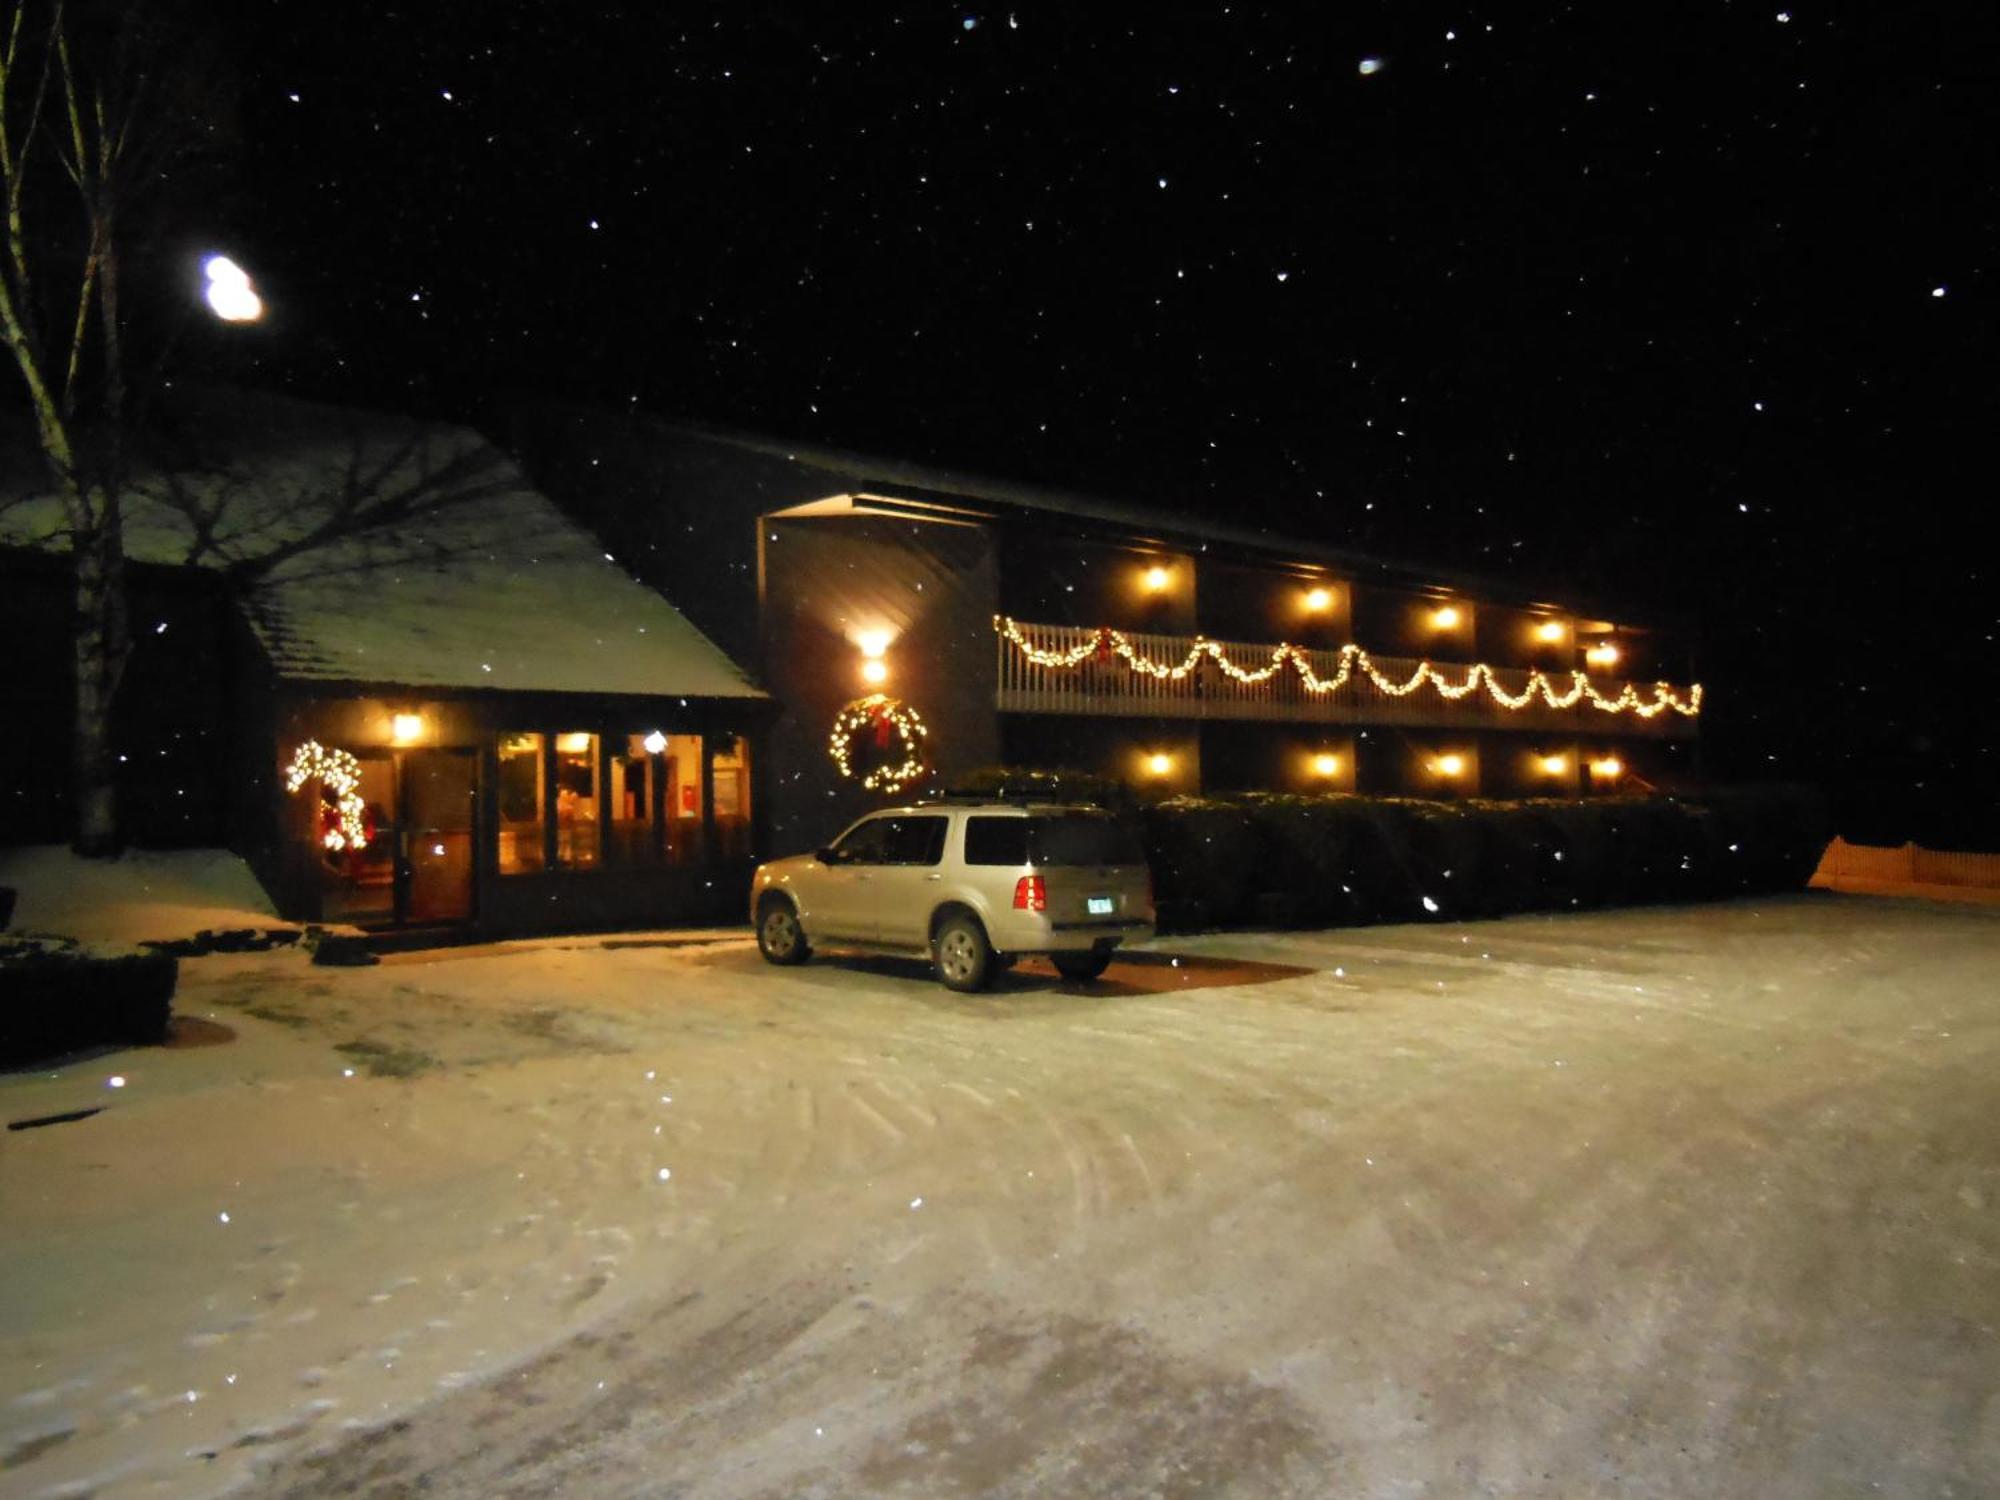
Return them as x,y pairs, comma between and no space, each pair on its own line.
827,856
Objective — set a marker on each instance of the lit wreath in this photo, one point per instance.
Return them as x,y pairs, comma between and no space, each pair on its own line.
339,773
879,717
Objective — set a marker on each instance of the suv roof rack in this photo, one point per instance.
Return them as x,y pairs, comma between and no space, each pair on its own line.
1007,792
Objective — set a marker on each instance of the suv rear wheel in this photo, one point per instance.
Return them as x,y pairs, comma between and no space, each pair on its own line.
960,953
779,937
1080,965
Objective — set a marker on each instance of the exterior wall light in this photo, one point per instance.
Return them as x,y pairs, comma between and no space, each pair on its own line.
1554,765
1157,579
406,728
874,671
655,743
1449,765
1159,764
1446,617
1551,631
1319,601
1603,654
1326,765
1607,768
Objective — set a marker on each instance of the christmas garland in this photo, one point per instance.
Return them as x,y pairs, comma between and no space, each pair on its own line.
1106,644
866,728
339,773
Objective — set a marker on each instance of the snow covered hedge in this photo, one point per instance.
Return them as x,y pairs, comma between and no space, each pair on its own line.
56,997
1268,859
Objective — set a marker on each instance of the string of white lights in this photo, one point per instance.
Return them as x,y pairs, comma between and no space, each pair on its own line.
340,773
1352,659
866,714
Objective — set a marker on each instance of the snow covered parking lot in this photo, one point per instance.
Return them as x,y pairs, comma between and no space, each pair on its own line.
1659,1203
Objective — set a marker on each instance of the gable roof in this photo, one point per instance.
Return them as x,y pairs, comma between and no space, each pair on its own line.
372,549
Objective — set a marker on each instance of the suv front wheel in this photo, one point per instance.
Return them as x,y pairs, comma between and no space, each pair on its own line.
779,937
960,953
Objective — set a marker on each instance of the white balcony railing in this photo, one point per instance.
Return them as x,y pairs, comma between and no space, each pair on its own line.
1064,669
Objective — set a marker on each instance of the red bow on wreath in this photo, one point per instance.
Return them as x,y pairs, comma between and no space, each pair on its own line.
884,727
1103,646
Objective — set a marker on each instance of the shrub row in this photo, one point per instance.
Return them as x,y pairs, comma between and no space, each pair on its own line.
1265,859
56,998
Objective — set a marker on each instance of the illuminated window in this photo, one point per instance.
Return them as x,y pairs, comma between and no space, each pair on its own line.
576,800
630,834
729,766
520,803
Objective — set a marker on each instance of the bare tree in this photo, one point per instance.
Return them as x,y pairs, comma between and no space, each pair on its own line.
97,105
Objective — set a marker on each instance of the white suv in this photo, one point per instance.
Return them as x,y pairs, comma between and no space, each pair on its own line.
975,884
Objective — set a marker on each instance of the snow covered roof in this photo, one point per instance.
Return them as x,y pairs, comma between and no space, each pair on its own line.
375,549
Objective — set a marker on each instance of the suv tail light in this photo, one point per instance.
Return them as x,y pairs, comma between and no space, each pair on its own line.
1030,894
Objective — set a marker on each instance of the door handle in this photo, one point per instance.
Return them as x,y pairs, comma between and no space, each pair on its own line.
934,877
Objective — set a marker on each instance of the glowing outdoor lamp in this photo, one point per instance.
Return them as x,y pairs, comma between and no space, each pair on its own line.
1159,764
1449,765
874,670
1554,765
1319,601
1326,764
1551,631
655,743
1446,617
1603,654
1607,768
1157,578
406,728
229,293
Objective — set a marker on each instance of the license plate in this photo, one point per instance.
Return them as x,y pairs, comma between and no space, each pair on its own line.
1099,906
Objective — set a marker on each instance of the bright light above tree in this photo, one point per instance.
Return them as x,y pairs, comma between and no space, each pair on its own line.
230,295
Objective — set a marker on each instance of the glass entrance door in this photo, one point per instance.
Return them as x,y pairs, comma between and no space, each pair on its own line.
414,866
434,868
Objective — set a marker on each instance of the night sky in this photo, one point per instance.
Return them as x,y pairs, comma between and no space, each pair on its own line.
1686,305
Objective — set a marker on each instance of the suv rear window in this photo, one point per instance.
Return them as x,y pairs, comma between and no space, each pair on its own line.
1063,839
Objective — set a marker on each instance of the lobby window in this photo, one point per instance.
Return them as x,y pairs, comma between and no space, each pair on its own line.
655,814
576,810
729,766
521,803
